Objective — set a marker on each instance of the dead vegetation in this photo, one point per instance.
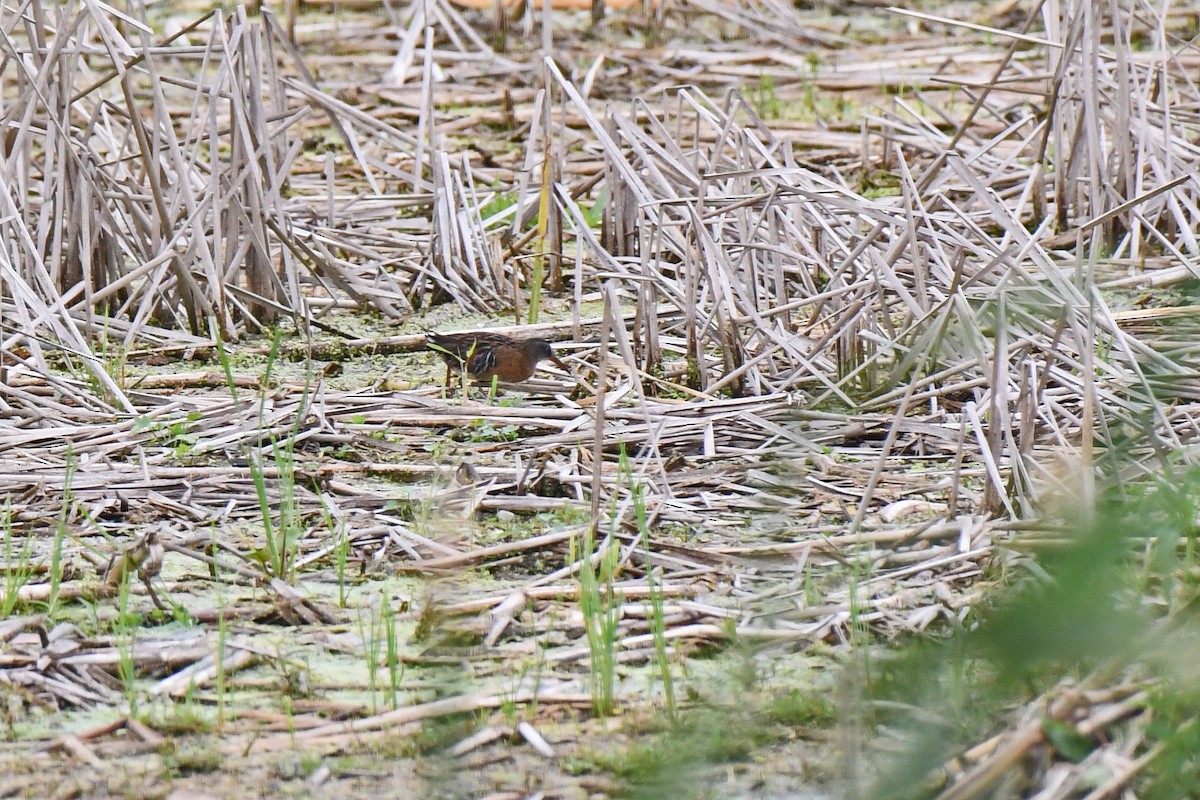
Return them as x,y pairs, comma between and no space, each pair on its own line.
845,303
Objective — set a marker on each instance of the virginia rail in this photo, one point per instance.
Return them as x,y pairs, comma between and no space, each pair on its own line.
485,355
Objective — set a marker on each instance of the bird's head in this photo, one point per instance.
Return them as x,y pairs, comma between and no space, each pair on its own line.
541,350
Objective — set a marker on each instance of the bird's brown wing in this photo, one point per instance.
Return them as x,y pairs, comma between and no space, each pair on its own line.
484,359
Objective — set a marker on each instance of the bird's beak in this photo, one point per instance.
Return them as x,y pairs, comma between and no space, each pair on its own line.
558,362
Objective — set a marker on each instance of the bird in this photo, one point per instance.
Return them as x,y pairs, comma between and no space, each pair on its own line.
485,355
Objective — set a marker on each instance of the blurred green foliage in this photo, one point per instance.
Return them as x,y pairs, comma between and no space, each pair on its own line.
1110,594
